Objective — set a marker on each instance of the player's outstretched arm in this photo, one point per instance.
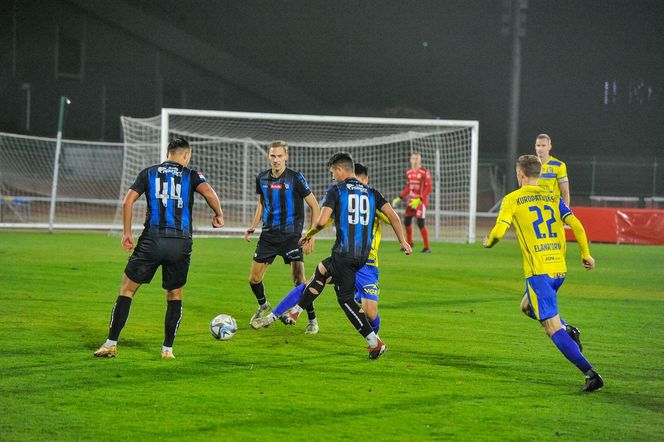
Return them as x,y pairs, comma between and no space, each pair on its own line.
503,222
213,201
496,234
405,191
582,240
395,222
257,218
315,215
127,213
324,220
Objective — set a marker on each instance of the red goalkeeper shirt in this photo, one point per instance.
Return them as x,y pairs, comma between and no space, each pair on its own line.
418,184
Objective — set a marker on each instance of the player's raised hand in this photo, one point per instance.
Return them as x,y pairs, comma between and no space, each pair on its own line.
247,234
218,221
589,263
406,247
396,201
308,247
127,242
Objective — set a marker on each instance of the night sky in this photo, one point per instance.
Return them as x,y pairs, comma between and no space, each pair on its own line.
449,59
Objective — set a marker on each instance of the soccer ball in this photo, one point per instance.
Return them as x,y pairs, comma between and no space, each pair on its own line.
223,327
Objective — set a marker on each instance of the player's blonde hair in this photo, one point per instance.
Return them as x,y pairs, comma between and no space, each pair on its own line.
279,143
530,165
543,136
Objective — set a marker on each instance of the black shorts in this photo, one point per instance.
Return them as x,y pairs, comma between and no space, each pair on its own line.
343,270
152,251
272,244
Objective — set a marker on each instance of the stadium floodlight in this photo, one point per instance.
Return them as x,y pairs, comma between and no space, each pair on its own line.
56,164
231,148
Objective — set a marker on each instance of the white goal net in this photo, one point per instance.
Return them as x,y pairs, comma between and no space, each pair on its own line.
84,195
230,148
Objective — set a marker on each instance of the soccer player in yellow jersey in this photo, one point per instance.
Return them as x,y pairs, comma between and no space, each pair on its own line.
554,171
538,216
366,279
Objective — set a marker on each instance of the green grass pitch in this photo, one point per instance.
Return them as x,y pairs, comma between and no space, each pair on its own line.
463,362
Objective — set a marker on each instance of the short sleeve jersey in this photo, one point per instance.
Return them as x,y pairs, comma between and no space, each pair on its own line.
169,191
554,173
354,207
538,218
283,200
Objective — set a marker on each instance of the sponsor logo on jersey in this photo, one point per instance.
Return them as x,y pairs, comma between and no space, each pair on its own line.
277,186
169,170
360,187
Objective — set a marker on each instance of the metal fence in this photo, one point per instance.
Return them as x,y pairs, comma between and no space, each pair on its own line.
595,180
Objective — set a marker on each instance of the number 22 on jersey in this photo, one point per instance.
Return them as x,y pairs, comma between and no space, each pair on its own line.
540,220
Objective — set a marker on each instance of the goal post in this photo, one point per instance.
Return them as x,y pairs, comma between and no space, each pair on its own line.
230,148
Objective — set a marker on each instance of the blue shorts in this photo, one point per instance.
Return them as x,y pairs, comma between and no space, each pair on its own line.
366,284
542,294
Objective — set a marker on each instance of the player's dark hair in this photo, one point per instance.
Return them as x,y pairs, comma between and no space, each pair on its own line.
361,169
530,165
343,159
178,143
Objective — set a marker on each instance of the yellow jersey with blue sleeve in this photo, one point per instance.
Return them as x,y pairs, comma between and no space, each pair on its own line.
375,241
538,216
554,173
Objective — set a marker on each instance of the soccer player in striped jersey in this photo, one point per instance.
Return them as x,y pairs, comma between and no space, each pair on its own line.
353,206
281,196
366,281
538,216
554,171
166,239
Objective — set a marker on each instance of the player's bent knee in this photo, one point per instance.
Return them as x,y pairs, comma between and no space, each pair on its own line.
128,287
317,283
321,270
345,299
174,294
370,308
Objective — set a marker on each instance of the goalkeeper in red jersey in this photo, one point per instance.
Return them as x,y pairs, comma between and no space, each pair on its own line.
417,190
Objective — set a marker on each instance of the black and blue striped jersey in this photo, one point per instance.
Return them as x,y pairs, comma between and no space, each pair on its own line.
169,190
354,207
283,200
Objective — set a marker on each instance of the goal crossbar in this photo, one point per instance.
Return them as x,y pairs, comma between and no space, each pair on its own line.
450,147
